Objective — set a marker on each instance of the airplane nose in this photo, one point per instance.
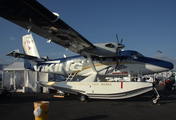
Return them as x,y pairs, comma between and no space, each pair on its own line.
163,64
170,65
167,65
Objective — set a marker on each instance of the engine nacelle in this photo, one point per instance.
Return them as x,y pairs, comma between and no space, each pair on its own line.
104,49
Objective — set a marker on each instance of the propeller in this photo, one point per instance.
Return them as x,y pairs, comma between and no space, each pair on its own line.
118,40
119,47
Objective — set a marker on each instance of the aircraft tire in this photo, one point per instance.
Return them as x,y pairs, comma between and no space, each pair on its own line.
154,101
83,98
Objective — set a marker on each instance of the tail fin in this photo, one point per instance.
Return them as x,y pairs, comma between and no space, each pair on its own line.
29,46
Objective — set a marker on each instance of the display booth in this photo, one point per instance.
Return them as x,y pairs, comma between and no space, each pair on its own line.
16,78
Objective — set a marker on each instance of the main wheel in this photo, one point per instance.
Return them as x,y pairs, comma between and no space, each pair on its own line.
83,98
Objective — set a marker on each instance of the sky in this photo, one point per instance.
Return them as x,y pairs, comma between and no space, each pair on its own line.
144,25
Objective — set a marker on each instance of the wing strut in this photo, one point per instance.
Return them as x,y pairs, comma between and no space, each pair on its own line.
93,76
91,62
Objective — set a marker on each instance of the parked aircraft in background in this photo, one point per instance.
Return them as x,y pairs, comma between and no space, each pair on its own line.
94,62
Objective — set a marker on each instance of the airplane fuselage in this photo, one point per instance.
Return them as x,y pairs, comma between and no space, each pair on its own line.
130,62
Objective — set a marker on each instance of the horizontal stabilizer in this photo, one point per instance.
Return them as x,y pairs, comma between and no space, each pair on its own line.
17,55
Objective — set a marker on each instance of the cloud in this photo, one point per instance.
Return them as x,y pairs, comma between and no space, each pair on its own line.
165,58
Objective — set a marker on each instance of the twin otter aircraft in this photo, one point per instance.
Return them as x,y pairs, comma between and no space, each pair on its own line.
94,63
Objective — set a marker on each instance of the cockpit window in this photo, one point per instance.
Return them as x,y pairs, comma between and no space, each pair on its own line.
129,55
140,55
110,45
134,56
137,54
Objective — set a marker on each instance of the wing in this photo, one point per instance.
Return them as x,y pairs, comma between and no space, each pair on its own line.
33,16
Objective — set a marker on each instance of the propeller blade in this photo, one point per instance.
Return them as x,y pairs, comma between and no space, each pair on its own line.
119,47
117,38
121,41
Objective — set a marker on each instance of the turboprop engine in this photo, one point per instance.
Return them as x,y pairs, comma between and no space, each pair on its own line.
107,49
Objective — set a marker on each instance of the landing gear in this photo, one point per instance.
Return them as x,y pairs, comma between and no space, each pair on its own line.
83,98
156,96
154,101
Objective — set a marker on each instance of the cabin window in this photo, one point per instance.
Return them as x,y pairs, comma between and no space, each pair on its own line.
83,61
109,59
98,59
110,45
103,59
114,59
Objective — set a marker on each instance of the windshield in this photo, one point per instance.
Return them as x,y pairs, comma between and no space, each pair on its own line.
130,54
136,55
140,55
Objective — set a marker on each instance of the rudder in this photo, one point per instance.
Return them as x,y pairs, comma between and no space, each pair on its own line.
29,46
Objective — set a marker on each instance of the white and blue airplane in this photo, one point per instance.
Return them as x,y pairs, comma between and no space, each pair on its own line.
94,62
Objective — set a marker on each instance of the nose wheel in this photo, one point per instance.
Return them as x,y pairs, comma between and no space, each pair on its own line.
154,101
156,96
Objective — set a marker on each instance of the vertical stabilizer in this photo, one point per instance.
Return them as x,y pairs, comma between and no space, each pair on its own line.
29,46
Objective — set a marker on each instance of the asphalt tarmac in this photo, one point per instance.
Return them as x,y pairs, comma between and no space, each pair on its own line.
21,106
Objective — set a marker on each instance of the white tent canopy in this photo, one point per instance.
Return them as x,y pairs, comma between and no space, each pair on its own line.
15,66
16,77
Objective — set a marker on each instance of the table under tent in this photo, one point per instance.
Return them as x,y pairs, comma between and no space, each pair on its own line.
17,78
